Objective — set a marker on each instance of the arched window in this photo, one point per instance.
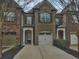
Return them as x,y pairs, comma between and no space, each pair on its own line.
59,21
9,16
74,19
45,17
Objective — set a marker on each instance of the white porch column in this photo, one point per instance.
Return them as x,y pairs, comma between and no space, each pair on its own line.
57,33
64,34
23,37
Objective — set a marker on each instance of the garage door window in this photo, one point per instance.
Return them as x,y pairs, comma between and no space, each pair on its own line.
42,33
48,33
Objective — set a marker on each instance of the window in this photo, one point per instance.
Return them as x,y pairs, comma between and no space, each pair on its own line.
45,17
9,16
74,19
59,21
29,20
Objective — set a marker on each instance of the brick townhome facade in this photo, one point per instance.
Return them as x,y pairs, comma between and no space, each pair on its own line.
39,26
13,24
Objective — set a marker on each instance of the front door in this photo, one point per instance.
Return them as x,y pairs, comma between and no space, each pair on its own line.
28,36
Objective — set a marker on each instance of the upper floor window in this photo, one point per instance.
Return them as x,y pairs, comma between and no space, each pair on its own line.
28,20
9,16
59,21
45,17
74,19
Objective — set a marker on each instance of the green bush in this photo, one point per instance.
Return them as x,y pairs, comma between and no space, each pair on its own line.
61,42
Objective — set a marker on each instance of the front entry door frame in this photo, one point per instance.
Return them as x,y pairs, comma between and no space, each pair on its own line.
24,29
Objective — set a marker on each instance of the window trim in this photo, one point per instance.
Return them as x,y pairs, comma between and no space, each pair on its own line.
73,19
45,22
26,20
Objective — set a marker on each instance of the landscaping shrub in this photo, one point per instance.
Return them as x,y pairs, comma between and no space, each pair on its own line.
61,42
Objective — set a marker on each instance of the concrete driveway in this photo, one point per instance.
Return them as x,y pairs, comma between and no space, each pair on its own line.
42,52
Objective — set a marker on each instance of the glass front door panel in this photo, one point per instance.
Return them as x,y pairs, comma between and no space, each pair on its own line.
28,37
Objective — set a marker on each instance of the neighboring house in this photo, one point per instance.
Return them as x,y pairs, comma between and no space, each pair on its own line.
71,14
12,22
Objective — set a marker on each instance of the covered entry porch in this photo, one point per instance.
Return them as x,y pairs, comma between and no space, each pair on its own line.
28,36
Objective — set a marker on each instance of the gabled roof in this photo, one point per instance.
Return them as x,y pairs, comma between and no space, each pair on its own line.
28,7
10,4
45,2
70,7
37,5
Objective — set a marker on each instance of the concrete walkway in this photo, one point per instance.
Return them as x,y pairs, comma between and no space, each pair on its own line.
42,52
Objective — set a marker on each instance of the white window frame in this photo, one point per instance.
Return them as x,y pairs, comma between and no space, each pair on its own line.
9,16
29,20
74,18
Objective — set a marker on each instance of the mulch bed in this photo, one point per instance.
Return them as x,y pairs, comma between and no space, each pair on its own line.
11,53
68,50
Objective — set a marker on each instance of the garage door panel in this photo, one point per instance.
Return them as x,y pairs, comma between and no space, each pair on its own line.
41,38
42,43
74,39
45,39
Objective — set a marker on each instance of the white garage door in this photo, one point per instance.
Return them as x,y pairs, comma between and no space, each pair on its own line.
74,39
45,38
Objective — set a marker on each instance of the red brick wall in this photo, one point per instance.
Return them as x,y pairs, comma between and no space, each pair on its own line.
71,28
14,26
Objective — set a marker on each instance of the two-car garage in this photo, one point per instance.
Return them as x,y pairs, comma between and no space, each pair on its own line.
45,38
